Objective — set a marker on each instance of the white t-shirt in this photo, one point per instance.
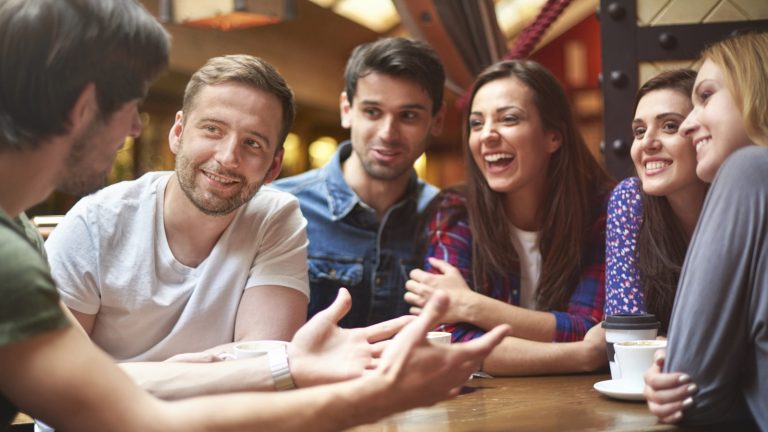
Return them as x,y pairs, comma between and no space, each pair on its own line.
110,257
526,244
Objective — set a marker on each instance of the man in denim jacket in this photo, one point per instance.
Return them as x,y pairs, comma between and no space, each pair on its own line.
364,208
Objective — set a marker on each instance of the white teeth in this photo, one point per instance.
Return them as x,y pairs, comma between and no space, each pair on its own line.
702,143
656,165
497,157
217,178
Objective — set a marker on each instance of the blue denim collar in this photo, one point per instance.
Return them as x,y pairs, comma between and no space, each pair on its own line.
341,198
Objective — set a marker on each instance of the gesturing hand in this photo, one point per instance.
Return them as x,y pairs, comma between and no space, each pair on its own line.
422,286
668,394
322,352
420,373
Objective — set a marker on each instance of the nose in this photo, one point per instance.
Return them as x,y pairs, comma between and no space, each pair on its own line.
690,124
650,141
227,152
389,130
489,134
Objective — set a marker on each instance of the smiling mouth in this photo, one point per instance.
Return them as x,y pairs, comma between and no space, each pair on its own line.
702,143
498,159
656,165
219,179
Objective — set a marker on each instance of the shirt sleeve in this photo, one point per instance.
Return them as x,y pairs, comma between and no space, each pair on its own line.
585,308
450,240
73,254
625,216
30,305
282,256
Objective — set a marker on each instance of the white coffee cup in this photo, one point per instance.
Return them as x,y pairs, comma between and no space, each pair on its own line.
439,337
620,328
259,348
634,358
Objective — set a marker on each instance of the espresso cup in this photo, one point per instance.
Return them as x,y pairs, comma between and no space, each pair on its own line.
253,349
634,358
624,327
438,337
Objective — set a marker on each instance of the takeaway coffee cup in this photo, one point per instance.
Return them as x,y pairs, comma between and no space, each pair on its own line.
624,327
256,348
439,337
634,358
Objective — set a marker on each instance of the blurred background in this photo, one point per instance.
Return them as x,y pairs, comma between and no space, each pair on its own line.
309,41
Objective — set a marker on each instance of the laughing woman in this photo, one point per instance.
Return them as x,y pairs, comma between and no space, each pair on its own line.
651,217
524,242
718,336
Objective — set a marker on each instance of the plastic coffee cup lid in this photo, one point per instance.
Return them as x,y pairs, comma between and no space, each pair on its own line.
631,322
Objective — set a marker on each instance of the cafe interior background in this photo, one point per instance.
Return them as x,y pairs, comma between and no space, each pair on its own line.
600,50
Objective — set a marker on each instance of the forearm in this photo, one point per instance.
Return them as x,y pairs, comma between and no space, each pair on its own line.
486,313
519,357
172,380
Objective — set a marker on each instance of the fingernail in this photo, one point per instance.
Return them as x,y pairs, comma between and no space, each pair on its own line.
684,378
678,416
687,403
692,388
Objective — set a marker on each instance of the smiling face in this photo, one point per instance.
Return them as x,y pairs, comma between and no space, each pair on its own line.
507,138
225,147
715,125
93,152
390,120
664,160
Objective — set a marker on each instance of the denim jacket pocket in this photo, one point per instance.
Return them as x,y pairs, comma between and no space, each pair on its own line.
345,271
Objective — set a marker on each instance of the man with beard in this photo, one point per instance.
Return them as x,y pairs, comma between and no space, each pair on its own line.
65,108
201,257
364,207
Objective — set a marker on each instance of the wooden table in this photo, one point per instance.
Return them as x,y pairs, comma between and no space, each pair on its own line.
556,403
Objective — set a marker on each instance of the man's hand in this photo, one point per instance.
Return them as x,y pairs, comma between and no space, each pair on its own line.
668,394
423,285
419,373
322,352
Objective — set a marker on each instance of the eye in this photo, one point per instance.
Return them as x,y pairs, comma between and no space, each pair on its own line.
704,95
211,129
252,143
372,112
670,127
409,115
475,123
638,132
510,119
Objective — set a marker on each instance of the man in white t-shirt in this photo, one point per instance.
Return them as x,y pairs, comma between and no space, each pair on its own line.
190,260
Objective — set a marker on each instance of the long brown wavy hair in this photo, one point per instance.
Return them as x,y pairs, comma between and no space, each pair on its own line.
575,190
662,241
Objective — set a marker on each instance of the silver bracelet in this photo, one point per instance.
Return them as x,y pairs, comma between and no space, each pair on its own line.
281,371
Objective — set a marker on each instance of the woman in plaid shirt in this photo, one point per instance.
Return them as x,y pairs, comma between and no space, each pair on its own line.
523,242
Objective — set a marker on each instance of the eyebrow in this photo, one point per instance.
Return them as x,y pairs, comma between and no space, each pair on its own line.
502,109
414,106
250,132
661,116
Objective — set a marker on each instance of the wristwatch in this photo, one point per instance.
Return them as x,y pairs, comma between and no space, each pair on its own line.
281,371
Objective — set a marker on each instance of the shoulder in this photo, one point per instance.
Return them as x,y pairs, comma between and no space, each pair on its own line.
747,165
448,209
127,192
300,183
425,193
270,198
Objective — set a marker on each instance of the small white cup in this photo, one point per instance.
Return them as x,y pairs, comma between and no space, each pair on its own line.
634,358
439,338
253,349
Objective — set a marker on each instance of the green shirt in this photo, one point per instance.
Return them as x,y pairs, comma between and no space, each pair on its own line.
29,302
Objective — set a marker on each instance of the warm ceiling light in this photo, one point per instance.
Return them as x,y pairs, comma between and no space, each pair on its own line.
227,14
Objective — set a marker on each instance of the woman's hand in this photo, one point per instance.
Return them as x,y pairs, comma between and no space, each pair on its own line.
668,394
423,284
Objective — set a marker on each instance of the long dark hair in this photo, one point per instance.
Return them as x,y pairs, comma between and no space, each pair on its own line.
662,242
575,183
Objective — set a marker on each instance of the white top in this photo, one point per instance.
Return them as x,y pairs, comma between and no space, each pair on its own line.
110,257
526,244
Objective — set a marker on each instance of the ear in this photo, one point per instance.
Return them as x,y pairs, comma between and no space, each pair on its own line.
85,109
554,141
275,167
174,136
438,121
345,107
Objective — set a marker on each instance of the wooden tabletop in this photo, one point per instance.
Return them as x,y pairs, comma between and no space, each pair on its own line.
556,403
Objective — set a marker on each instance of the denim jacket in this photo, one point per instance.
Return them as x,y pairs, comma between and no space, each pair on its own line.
349,247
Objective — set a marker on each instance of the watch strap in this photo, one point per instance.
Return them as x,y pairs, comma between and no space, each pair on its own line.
281,371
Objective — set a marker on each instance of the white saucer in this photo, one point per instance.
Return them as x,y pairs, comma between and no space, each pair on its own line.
619,389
